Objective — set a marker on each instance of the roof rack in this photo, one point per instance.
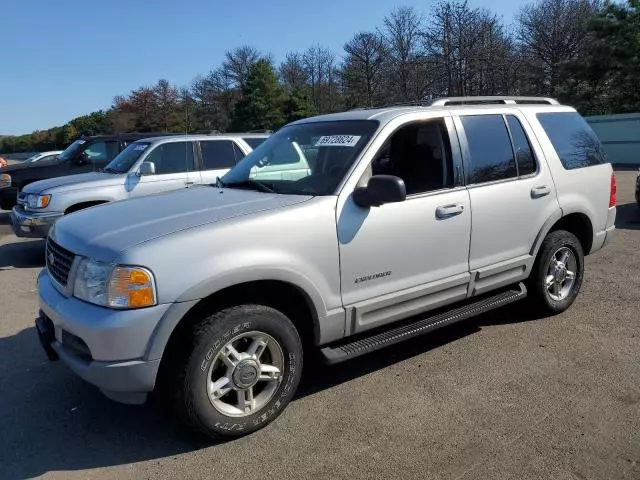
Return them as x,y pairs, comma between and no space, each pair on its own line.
488,100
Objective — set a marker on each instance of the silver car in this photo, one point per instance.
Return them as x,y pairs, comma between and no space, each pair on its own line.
381,225
145,167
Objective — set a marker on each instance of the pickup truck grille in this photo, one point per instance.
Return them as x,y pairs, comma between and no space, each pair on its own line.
59,261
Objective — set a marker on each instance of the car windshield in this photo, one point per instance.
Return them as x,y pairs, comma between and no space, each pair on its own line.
303,159
71,150
126,159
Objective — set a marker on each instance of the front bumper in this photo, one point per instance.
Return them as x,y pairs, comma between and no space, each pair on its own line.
32,224
112,342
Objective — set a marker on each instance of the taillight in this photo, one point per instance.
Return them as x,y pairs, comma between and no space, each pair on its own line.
612,192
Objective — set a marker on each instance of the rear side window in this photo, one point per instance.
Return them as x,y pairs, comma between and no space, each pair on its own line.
573,139
239,154
521,147
254,141
217,154
490,150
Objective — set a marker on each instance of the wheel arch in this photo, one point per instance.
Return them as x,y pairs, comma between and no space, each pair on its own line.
291,299
577,223
82,205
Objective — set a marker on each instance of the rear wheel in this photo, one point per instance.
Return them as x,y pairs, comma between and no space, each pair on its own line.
239,373
557,273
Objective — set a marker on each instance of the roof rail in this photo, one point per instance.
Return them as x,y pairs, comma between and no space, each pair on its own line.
488,100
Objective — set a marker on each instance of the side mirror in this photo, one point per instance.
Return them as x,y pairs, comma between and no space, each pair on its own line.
381,189
147,168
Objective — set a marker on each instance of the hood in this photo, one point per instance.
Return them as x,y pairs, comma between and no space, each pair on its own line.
81,181
102,232
23,166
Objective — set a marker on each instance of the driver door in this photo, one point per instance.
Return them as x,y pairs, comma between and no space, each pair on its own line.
401,259
95,156
173,162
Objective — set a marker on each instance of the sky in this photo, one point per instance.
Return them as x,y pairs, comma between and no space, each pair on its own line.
64,58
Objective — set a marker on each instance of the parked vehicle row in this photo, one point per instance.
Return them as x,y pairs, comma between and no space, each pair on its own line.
144,167
344,233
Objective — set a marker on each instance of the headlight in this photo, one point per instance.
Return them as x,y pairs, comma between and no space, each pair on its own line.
114,286
38,201
5,180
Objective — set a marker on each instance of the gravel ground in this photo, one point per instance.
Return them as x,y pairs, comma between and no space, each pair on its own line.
501,396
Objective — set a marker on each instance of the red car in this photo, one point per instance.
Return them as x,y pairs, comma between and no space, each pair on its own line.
3,162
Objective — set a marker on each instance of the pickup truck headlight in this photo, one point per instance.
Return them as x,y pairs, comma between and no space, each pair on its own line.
5,180
38,201
114,286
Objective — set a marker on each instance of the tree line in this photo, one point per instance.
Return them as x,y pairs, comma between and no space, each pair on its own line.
583,52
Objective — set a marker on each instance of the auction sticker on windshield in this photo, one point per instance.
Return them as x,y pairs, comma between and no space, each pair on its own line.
141,147
338,141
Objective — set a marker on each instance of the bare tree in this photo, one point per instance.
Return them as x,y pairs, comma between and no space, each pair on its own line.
238,62
551,33
401,33
320,65
292,72
363,68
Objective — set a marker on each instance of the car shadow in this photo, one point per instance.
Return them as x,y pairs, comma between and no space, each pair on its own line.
628,216
5,219
53,421
22,254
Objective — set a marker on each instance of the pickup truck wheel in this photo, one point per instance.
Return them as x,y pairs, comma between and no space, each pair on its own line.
242,369
557,273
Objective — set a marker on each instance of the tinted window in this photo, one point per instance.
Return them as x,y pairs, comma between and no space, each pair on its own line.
574,141
101,151
420,154
237,152
217,154
254,141
522,147
172,157
489,148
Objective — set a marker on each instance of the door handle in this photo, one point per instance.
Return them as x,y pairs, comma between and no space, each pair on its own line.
189,183
540,191
447,211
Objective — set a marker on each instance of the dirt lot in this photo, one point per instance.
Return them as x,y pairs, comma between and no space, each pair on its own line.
502,396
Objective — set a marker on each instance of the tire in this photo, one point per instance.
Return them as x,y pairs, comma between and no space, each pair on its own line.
206,358
559,296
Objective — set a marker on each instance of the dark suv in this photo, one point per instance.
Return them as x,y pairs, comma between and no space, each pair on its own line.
86,154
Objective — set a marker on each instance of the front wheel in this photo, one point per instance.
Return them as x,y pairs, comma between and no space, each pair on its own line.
239,373
557,273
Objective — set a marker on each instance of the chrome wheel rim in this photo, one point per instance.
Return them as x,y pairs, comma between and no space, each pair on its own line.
245,374
561,274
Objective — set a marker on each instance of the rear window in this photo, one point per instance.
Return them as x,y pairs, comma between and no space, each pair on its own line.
575,142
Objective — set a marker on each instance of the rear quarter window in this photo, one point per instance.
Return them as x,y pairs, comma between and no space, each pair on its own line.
573,139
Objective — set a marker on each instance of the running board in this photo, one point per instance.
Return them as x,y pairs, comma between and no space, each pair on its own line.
355,348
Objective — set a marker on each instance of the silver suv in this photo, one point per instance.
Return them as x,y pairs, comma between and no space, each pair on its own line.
145,167
406,219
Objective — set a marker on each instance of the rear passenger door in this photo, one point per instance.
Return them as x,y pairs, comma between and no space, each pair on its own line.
512,195
173,162
217,157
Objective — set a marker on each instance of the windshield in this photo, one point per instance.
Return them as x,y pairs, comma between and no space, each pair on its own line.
71,150
127,158
304,159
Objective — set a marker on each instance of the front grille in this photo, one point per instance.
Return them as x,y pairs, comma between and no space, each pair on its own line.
59,261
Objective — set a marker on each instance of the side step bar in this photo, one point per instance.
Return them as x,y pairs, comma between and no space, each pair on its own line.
355,348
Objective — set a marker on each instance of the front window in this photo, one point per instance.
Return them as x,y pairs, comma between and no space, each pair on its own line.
71,150
127,158
304,159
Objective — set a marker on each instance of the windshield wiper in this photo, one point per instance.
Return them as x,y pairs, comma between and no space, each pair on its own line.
248,183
